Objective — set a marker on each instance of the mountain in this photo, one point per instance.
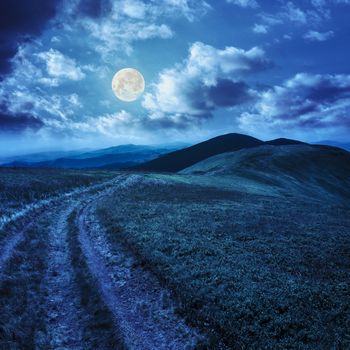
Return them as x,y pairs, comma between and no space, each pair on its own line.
283,141
110,158
342,145
41,156
307,169
121,149
181,159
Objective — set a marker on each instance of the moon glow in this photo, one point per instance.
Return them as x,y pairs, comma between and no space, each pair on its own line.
128,84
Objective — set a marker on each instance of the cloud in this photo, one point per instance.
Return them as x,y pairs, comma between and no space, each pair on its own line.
190,9
19,20
30,89
297,14
61,66
313,15
93,8
244,3
129,21
86,40
124,21
260,28
134,9
208,79
130,127
18,123
110,36
305,102
294,13
314,35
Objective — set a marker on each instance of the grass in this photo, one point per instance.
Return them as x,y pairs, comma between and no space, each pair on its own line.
258,271
22,297
99,330
21,320
19,187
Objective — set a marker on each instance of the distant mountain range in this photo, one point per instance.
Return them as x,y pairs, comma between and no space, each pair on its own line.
171,158
41,156
184,158
108,158
343,145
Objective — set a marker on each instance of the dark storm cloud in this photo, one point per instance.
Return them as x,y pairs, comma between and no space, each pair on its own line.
7,50
18,123
229,93
329,90
19,20
225,93
179,122
93,8
208,80
306,94
306,101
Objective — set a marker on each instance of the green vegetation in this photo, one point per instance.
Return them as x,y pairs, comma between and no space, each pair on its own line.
19,187
258,271
99,329
22,322
23,295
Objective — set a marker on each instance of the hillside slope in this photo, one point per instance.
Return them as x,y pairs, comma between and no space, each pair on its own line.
303,168
181,159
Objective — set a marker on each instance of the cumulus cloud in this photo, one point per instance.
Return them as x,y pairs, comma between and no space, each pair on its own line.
314,35
134,9
38,93
208,79
134,20
260,28
305,102
44,82
244,3
130,127
110,35
61,66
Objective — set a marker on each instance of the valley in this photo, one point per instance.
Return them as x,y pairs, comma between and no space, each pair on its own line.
244,249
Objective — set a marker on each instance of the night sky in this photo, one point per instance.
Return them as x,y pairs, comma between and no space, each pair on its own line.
264,68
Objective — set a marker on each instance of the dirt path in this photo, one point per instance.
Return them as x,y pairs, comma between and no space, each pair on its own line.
29,214
54,297
64,329
143,310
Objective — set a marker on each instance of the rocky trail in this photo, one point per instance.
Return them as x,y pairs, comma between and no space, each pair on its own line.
83,293
143,310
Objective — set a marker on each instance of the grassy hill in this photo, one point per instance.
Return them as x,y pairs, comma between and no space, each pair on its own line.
253,269
181,159
302,169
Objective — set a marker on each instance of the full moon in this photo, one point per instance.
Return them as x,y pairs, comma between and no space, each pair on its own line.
128,84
